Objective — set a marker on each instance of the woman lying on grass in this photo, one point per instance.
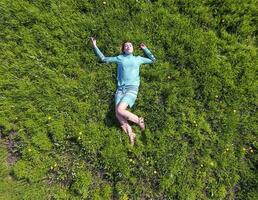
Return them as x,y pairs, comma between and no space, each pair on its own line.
128,81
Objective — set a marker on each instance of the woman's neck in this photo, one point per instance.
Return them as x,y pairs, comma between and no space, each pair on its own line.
127,54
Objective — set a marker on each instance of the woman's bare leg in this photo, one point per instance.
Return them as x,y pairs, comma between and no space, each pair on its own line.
121,110
124,123
126,127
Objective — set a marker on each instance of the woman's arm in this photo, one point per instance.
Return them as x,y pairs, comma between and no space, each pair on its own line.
150,59
100,54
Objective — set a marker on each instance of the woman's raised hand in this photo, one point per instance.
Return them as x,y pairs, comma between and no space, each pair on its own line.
142,46
94,41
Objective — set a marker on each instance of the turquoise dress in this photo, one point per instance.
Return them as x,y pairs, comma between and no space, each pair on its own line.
128,73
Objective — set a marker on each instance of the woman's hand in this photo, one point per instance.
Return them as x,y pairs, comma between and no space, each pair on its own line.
142,46
94,41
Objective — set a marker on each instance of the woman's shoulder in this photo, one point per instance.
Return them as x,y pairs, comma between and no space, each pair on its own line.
138,57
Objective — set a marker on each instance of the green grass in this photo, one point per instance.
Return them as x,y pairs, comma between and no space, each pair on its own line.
59,136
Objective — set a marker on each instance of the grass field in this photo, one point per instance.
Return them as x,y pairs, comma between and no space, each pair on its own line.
59,138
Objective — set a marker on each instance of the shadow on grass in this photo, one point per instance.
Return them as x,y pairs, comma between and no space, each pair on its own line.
110,119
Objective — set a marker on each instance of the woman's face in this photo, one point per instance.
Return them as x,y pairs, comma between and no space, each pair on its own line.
128,47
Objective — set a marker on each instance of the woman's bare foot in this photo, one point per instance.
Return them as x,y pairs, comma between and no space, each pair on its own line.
127,129
141,123
132,138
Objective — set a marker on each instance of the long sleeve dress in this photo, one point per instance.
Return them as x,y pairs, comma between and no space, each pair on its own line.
128,73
